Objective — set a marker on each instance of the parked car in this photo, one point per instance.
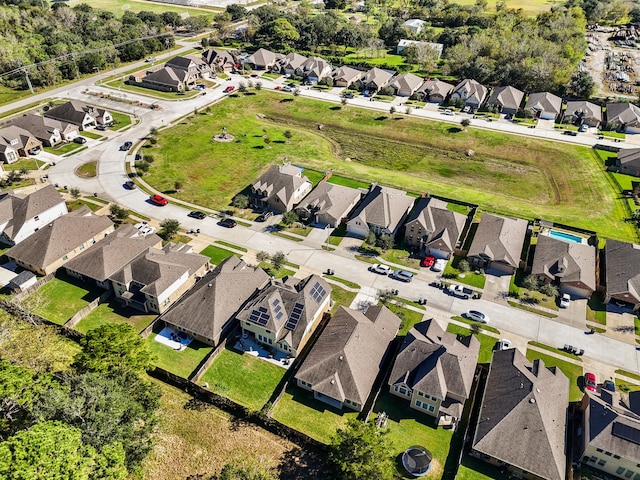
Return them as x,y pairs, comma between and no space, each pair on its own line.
158,200
230,88
402,275
583,128
476,316
126,145
197,214
590,382
609,385
466,109
428,261
80,140
228,222
504,344
571,133
439,265
348,95
278,87
380,269
264,216
150,59
144,228
565,300
102,128
448,112
460,291
129,185
287,89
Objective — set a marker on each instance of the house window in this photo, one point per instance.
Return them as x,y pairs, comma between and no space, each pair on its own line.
402,390
431,408
418,403
617,457
602,462
620,470
607,453
82,247
593,459
420,394
629,474
637,477
599,450
165,303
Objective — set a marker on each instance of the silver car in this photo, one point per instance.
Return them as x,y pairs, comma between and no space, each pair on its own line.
477,316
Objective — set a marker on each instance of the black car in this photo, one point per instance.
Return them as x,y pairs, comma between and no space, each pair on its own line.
264,215
571,133
102,127
228,222
197,214
126,146
129,185
80,140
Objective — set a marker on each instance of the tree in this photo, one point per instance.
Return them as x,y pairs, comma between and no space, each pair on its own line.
370,238
177,185
289,218
142,165
465,122
244,470
385,241
242,87
258,86
360,452
237,12
169,227
263,256
288,134
149,158
283,33
392,110
267,140
475,328
581,84
278,259
550,290
75,193
240,201
153,131
530,282
119,212
113,347
385,296
463,266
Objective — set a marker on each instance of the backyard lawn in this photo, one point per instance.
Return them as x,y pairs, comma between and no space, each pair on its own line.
181,363
217,254
573,372
111,312
487,343
298,409
511,175
47,303
244,379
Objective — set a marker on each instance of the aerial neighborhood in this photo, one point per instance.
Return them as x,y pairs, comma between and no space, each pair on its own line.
258,242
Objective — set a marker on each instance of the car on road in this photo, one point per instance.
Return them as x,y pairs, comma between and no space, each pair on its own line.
264,216
102,128
609,385
144,228
402,275
460,291
428,261
476,316
590,382
126,145
348,95
571,133
287,89
197,214
150,59
158,200
565,300
583,128
380,269
230,88
504,344
278,87
130,185
228,222
80,140
448,112
439,265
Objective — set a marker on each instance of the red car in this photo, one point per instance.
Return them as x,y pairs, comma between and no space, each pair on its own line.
230,88
158,200
590,382
428,261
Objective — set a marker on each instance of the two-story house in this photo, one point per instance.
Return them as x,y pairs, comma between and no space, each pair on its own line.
280,188
382,211
622,273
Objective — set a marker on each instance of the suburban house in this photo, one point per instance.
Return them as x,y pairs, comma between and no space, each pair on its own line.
165,79
497,244
434,370
284,314
628,161
570,265
158,277
406,84
611,433
382,211
195,66
80,114
435,91
434,228
522,420
314,69
622,273
345,76
22,216
544,105
111,254
328,204
263,59
624,117
220,61
280,188
59,241
405,43
414,25
209,308
291,62
581,111
506,99
376,78
49,131
16,142
470,92
343,364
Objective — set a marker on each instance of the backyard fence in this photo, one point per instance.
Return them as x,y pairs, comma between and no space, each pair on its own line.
208,360
25,315
18,297
73,321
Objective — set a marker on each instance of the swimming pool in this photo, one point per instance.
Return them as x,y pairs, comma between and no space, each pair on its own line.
567,237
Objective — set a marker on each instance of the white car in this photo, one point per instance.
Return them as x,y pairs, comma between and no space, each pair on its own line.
448,112
504,344
144,228
439,265
380,269
477,316
565,300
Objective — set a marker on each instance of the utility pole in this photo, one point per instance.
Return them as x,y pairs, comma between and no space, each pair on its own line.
26,74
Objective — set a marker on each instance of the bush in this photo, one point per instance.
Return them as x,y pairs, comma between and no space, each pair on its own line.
240,201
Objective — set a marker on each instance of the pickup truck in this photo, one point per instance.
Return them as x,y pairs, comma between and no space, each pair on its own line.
460,291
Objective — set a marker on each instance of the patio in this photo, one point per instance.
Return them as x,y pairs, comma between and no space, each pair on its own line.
176,340
248,344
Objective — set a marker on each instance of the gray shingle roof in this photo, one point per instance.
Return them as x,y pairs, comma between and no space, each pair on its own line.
629,157
112,253
331,200
215,299
499,239
383,206
347,74
569,262
292,60
13,132
167,76
40,127
523,415
17,209
345,359
436,87
218,57
60,237
506,97
469,89
378,77
622,263
262,58
544,102
623,113
407,82
280,181
588,109
443,227
72,111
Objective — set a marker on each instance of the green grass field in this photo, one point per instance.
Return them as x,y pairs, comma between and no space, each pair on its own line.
181,363
217,254
118,7
47,303
532,7
508,174
111,312
243,378
486,342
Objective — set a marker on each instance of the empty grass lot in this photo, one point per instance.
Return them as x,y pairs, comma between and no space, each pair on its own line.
111,312
181,363
298,409
244,379
573,372
532,7
217,254
118,7
513,175
487,343
61,298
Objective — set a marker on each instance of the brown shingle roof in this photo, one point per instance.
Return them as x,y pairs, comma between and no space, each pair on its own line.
18,209
331,200
622,262
280,181
383,206
442,226
567,262
499,239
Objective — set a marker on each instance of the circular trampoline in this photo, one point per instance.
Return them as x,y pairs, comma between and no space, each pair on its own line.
417,461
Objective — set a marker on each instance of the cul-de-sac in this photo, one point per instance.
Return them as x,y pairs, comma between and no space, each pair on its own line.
297,239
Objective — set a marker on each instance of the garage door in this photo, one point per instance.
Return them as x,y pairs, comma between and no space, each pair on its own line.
575,292
498,269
